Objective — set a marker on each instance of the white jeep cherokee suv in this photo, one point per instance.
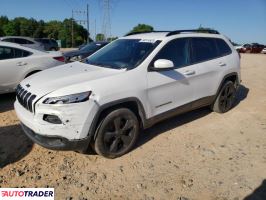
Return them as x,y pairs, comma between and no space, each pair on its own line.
129,85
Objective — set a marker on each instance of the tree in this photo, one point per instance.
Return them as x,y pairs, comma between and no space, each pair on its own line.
111,39
58,30
205,29
3,21
100,37
11,28
142,28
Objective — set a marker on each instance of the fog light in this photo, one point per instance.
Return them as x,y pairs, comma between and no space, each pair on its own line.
52,119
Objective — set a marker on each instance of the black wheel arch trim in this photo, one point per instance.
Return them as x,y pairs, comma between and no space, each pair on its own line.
32,72
113,104
223,81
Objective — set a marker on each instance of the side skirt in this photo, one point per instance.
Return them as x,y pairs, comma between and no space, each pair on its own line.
205,101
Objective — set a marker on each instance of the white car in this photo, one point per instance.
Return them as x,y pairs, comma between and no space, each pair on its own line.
263,51
24,41
18,62
129,85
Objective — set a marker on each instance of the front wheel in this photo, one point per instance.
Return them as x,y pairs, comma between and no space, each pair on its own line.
117,133
225,99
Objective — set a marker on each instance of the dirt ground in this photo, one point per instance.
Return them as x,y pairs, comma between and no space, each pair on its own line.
200,155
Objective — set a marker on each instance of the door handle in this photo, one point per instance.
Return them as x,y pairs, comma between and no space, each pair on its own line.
189,72
222,64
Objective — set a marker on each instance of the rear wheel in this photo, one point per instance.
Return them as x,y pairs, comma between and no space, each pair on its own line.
226,98
117,133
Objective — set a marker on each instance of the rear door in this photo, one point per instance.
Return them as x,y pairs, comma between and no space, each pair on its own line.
13,64
208,64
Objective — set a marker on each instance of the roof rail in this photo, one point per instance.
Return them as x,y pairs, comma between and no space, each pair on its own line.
140,32
192,30
169,33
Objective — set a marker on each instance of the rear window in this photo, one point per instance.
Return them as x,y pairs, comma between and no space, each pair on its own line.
203,49
223,48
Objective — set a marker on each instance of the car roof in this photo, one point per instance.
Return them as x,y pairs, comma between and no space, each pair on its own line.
164,35
14,45
22,37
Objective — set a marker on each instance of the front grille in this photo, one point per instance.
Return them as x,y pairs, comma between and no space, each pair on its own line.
25,98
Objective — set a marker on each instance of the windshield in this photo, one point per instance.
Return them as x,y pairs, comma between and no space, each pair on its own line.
123,53
91,47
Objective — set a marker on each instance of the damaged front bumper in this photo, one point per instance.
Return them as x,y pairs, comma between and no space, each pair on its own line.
55,142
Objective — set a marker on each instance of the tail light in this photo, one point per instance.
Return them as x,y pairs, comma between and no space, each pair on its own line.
60,58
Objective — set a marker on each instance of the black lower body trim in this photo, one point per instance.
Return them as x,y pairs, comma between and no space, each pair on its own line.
56,143
205,101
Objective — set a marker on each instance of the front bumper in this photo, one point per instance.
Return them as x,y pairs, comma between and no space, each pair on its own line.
55,142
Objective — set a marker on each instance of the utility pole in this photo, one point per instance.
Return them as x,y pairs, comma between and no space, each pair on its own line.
106,27
72,29
95,31
80,21
88,24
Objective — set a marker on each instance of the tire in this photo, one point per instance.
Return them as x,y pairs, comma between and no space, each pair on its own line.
226,98
117,133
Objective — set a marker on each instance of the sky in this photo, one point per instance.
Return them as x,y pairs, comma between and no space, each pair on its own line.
243,21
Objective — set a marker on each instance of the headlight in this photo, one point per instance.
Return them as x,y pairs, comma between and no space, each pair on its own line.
73,98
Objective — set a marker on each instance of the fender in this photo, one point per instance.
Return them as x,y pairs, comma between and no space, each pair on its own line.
223,80
116,103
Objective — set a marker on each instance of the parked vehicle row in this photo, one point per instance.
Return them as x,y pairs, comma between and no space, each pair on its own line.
44,44
18,62
83,52
129,85
250,48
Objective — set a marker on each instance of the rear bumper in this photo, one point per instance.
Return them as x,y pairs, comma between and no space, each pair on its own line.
55,142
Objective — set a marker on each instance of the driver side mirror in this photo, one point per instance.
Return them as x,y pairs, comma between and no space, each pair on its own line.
163,64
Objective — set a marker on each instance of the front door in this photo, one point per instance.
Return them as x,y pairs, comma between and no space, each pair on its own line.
169,89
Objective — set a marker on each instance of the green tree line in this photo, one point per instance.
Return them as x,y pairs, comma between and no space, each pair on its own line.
58,30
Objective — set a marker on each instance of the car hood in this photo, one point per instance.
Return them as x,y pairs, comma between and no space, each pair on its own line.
66,75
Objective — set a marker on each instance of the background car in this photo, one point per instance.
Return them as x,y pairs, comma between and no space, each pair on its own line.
246,48
264,50
49,44
18,62
84,52
256,48
25,41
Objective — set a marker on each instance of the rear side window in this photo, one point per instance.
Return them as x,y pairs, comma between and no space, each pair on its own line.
177,51
223,47
10,53
203,49
22,41
8,40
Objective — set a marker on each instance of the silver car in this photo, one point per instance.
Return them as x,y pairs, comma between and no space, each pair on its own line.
24,41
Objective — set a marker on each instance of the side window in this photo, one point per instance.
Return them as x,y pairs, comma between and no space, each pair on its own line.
177,51
10,53
223,48
6,53
203,49
8,40
22,41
